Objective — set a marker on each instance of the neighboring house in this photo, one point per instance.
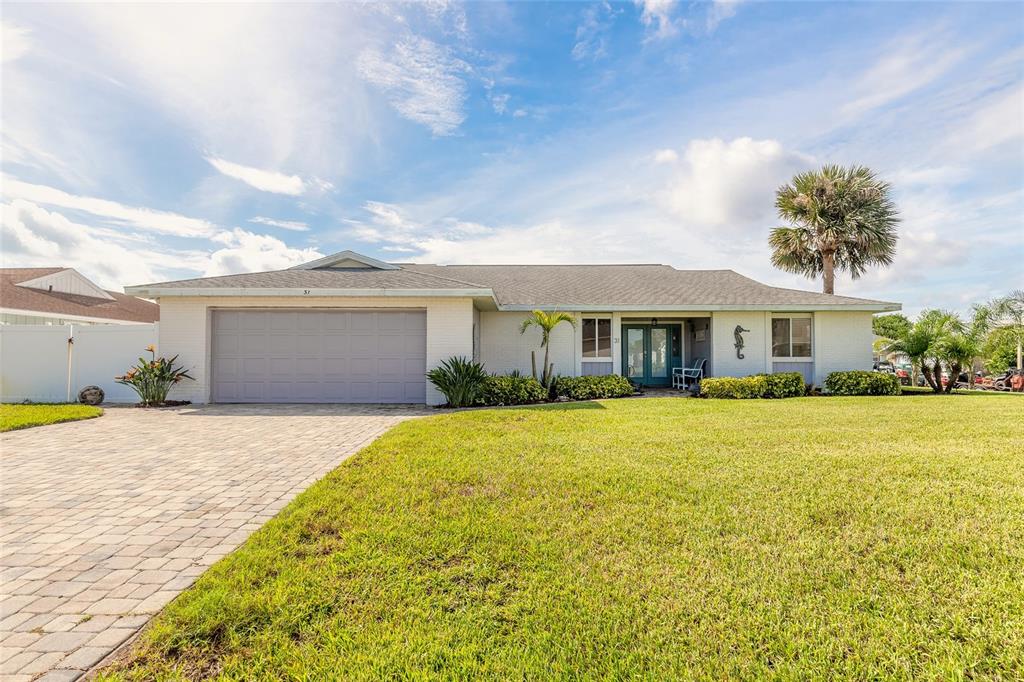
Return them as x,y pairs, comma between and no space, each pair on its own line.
63,296
348,328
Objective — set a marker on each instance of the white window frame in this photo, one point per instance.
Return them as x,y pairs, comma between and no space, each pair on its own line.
791,317
611,338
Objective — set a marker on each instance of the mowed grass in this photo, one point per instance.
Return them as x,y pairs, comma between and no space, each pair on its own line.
14,417
838,538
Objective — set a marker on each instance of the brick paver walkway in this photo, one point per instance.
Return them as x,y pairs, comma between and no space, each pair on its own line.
102,522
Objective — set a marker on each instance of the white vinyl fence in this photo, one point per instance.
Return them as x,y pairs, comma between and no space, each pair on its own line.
38,363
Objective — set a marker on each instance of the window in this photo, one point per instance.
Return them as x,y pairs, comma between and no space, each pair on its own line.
791,337
597,337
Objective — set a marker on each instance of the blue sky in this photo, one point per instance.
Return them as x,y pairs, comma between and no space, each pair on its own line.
151,143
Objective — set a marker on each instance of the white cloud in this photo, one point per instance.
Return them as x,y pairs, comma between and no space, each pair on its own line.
267,181
144,218
14,42
500,102
244,251
731,185
419,79
719,11
35,237
294,225
657,15
261,82
666,156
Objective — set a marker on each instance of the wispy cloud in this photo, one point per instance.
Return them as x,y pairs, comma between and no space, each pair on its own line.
144,218
907,65
265,180
14,41
421,81
294,225
592,33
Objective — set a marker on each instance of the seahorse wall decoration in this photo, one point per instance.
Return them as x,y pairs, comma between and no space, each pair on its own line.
738,334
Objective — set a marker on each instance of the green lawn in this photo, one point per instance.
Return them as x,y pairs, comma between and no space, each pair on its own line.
814,538
14,417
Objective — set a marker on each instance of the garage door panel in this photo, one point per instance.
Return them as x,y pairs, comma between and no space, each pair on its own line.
252,343
362,344
415,392
391,345
294,355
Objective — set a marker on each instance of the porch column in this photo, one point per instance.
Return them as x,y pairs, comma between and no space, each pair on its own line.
617,343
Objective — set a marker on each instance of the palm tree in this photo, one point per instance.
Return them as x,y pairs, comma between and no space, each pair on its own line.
842,218
937,337
546,322
1007,313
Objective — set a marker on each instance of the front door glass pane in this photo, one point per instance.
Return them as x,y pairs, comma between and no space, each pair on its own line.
635,353
659,353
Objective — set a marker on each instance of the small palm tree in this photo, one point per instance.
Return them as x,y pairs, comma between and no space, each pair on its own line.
842,218
546,322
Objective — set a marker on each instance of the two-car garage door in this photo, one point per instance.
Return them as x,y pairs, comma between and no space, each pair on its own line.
319,356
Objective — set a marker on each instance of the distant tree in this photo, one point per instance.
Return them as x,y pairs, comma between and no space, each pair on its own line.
890,326
1004,314
546,322
999,350
843,218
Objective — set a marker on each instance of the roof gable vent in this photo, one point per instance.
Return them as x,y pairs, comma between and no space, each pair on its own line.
346,260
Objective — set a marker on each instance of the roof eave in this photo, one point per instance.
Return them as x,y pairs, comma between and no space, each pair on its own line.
145,291
867,306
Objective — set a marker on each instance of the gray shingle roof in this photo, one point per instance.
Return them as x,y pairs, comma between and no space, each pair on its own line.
524,286
594,285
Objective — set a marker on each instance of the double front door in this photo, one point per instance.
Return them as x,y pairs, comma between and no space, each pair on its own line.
649,353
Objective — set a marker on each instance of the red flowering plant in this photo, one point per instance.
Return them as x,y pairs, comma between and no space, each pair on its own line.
152,379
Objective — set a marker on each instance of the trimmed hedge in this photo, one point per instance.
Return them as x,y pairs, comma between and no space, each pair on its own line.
733,387
512,390
785,385
862,382
592,387
781,385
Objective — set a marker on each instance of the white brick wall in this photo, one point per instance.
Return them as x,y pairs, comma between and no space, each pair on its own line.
842,341
184,330
503,348
755,349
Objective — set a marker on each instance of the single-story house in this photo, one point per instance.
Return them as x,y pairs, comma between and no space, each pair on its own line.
349,328
51,296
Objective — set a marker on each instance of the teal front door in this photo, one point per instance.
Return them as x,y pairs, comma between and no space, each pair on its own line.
650,352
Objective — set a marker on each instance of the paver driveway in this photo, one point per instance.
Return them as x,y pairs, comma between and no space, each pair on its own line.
104,521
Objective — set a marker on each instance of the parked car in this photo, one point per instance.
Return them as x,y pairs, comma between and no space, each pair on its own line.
905,373
884,366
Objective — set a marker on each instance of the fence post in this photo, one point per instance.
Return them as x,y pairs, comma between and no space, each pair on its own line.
71,344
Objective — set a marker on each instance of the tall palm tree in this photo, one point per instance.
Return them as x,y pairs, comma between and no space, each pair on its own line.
546,322
842,218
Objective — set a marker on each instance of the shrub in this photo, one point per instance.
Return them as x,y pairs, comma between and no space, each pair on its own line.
784,385
513,389
861,382
152,379
460,380
589,388
732,387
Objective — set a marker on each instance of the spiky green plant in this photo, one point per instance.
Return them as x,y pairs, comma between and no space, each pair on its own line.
842,218
460,380
546,322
